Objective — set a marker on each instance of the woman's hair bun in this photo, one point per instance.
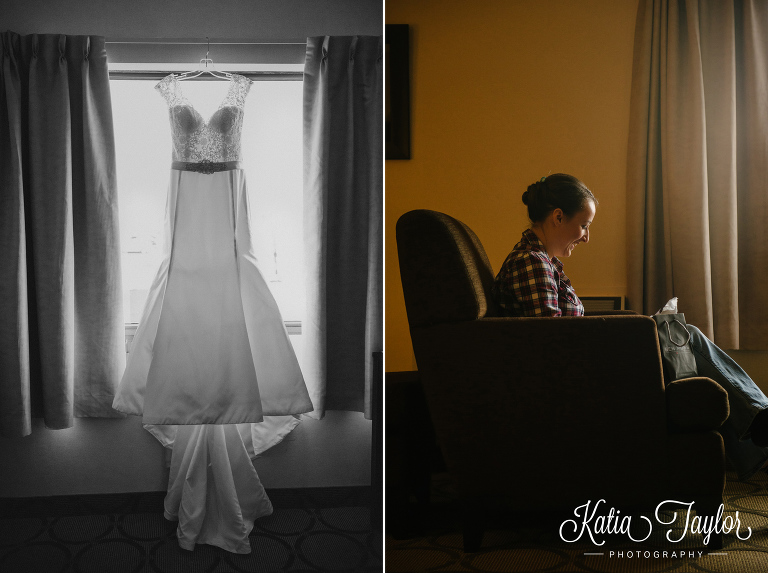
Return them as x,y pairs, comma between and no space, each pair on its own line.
558,191
533,193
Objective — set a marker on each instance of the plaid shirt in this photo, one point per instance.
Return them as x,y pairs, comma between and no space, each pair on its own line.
530,284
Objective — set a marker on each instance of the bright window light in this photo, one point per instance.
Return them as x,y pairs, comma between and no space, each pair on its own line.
272,160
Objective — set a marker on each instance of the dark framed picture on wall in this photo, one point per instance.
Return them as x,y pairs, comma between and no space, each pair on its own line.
397,105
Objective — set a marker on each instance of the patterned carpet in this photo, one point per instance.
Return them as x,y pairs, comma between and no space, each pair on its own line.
434,541
310,530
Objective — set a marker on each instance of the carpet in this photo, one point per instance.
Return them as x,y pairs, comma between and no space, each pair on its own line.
532,544
318,529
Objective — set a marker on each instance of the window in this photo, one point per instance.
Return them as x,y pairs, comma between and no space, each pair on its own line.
272,159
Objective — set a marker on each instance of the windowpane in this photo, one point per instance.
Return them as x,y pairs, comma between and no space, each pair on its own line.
272,159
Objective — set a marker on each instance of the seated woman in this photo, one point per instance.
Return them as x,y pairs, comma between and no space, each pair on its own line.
531,282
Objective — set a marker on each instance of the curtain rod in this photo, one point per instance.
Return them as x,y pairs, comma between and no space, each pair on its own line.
260,75
203,43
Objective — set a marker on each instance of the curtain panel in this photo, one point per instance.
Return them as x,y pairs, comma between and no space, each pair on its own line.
697,173
343,203
62,348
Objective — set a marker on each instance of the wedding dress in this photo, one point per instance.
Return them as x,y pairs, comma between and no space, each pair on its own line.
211,368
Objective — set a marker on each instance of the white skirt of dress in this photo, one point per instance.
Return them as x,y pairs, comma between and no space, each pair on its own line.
211,349
211,346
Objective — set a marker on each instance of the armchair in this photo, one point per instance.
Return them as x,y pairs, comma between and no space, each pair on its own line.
516,400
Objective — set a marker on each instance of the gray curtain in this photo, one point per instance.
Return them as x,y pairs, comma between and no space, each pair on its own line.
343,201
697,179
62,347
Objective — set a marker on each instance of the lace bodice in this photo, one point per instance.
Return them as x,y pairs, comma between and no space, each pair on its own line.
196,140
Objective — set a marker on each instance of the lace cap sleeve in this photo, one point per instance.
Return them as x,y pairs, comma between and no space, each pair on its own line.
237,95
167,89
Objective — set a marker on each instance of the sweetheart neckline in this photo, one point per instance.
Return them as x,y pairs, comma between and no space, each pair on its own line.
200,115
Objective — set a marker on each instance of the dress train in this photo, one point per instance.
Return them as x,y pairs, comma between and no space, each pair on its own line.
214,491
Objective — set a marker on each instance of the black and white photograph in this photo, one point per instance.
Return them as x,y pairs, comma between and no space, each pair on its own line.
191,367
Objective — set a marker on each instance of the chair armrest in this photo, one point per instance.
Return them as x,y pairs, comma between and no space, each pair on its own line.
696,404
583,373
518,397
590,350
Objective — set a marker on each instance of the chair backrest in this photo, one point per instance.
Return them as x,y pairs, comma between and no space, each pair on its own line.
445,271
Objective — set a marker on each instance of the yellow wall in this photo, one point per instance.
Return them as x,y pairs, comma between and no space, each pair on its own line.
502,93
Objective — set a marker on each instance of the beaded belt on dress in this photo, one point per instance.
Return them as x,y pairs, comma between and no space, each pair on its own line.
206,167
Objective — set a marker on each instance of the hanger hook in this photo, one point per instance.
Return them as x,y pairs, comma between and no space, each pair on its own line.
207,50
